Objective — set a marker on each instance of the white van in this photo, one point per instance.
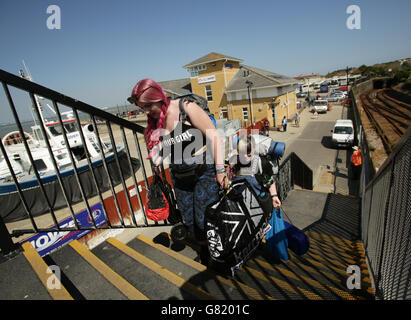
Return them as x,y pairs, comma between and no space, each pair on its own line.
320,106
343,133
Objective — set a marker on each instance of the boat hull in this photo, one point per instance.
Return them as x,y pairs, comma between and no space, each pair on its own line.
13,210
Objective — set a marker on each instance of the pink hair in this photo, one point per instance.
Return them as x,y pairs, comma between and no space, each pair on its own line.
148,90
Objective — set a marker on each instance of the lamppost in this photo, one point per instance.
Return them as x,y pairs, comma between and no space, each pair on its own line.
249,84
347,78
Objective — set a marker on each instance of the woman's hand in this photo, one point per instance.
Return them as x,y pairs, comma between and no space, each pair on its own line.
222,180
156,155
276,202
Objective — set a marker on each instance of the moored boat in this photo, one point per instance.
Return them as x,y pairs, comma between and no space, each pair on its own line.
41,160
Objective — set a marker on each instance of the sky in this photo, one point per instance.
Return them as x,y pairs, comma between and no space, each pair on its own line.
104,47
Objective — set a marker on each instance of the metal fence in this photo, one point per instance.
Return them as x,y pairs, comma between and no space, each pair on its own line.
386,224
386,216
91,164
360,140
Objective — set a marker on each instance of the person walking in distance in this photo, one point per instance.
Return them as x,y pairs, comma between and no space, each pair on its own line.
284,122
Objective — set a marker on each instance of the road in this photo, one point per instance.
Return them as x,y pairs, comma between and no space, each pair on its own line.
311,141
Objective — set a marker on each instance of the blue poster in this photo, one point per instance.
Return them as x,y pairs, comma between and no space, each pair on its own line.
48,242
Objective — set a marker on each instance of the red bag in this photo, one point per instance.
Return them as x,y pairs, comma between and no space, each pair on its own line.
156,206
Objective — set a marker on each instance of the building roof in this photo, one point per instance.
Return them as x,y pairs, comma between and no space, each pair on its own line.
178,87
212,56
259,78
307,76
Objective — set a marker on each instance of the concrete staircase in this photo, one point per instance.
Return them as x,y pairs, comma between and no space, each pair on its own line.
162,270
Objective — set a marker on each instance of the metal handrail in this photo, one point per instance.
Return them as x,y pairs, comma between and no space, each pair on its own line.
33,89
29,86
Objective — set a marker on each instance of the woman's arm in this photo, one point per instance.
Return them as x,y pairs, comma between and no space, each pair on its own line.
275,198
200,120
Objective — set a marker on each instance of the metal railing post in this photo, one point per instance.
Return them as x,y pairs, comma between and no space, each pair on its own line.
6,243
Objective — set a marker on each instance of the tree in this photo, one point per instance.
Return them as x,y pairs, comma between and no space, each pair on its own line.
401,76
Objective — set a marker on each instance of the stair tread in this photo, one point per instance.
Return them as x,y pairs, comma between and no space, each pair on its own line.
78,274
305,277
116,279
275,288
197,273
18,281
147,281
47,278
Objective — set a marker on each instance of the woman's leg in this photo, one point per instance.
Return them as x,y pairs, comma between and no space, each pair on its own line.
185,203
205,193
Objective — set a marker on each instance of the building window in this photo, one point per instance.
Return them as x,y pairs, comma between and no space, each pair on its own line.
279,91
208,93
224,114
245,113
194,70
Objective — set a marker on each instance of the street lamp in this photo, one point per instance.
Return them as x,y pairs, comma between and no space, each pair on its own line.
347,78
249,84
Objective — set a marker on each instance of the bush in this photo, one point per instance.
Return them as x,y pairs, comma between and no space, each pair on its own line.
407,85
401,76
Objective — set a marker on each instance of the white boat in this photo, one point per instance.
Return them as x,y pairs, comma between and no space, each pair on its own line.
10,200
19,159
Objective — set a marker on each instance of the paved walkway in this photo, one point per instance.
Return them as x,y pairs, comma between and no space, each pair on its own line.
311,140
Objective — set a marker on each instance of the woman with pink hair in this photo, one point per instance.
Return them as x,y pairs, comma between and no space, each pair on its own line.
194,146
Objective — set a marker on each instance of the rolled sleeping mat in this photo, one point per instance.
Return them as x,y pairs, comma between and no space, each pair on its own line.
277,149
235,141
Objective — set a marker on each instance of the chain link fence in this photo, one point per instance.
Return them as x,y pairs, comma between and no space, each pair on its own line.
386,216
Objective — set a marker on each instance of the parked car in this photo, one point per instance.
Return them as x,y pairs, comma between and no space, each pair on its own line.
335,90
343,133
301,94
338,91
336,96
332,98
320,106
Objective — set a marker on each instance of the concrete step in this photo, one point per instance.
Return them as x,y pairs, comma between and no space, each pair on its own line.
27,276
77,274
18,281
221,287
160,269
152,279
319,274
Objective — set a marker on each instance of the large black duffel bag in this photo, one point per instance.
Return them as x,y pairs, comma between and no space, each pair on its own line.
236,224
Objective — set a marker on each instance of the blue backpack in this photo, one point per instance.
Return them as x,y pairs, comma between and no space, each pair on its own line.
202,103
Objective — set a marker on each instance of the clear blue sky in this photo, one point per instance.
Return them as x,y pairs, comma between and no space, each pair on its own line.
104,47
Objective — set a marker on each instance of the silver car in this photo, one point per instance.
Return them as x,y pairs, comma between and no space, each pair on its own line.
335,97
332,98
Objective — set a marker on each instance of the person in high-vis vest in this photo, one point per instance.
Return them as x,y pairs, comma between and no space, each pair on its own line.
356,162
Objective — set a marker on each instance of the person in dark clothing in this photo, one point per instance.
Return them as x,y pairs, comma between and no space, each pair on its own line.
197,173
284,122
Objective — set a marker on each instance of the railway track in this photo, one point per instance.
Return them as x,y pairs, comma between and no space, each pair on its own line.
390,116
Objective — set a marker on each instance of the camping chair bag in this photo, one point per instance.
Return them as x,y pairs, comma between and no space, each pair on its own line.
235,226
